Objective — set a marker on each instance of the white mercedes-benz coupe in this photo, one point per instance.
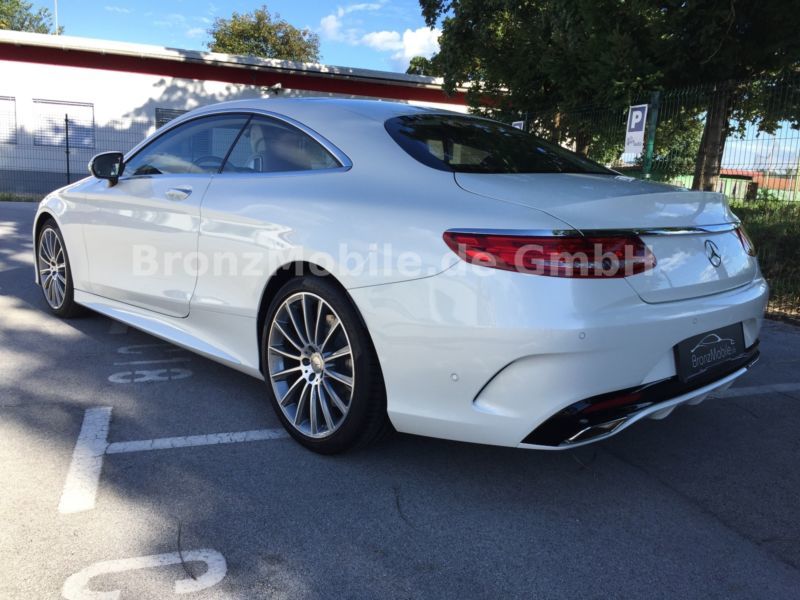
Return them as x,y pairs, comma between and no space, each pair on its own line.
379,264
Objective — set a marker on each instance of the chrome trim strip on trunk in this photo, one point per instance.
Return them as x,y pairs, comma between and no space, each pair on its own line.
695,230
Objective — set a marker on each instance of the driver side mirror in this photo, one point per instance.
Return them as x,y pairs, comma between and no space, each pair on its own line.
108,165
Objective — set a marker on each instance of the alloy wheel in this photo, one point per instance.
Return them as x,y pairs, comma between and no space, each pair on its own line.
52,268
310,364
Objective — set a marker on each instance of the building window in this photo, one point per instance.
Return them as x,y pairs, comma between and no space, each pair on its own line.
8,120
52,117
165,115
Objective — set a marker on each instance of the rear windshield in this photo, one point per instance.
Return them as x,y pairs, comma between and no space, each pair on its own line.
474,145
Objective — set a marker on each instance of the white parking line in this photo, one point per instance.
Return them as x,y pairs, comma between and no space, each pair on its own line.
188,441
80,487
75,587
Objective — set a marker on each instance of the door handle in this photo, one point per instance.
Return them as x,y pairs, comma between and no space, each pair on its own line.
178,193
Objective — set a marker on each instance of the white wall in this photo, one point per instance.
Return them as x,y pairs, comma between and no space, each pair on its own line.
124,112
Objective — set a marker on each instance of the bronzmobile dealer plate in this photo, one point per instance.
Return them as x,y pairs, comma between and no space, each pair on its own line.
709,352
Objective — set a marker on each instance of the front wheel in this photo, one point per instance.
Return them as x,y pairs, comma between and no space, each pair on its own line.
322,372
55,277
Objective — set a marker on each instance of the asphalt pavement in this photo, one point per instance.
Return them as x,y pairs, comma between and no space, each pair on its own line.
703,504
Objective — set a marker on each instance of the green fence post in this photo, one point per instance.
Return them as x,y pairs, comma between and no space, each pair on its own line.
652,122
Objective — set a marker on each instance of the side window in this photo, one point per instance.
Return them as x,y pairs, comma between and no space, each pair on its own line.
271,146
199,146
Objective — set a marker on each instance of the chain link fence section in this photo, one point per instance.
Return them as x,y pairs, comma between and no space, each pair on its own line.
57,145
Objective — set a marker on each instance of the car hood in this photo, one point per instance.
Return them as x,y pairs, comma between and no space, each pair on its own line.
587,201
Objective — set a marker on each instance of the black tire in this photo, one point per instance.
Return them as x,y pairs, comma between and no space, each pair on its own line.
67,308
366,420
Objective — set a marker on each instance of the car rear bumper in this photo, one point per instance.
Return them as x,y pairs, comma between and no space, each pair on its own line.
489,358
587,421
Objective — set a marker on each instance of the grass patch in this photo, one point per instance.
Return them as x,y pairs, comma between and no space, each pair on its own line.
12,197
774,227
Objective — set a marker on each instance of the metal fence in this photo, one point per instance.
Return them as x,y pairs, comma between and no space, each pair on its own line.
759,166
47,144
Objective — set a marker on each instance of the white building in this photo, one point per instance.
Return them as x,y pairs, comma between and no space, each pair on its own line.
100,95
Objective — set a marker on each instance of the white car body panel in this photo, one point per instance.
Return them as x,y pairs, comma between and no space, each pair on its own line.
467,353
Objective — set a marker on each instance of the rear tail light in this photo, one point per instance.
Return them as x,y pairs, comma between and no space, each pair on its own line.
554,256
747,243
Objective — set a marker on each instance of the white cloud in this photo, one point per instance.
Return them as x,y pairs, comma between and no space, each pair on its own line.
403,46
420,42
195,32
173,20
118,9
383,40
413,42
342,11
330,27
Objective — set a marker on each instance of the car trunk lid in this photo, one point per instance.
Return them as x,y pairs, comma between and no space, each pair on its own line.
697,250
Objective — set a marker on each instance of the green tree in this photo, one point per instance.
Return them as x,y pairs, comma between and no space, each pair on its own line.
260,34
561,62
420,65
20,16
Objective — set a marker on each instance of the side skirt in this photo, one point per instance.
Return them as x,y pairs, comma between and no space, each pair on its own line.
227,339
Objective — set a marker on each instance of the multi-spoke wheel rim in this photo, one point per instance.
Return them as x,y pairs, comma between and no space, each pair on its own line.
52,268
310,364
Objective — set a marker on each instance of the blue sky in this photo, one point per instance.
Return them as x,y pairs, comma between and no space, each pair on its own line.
373,34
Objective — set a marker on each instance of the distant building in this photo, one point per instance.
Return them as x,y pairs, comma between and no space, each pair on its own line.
113,94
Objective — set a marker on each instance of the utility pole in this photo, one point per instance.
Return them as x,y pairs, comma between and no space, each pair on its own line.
56,14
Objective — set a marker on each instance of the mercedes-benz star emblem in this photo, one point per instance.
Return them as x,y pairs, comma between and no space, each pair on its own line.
712,252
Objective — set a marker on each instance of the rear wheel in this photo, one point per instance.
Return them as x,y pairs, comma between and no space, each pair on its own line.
322,373
55,276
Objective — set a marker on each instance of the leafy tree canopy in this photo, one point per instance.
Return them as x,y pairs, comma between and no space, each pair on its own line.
258,33
419,65
566,57
20,16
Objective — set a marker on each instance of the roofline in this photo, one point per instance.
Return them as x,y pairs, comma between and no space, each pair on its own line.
85,48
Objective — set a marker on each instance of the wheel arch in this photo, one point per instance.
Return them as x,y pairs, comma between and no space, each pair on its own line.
41,219
284,274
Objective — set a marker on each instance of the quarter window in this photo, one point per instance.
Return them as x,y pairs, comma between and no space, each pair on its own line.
272,146
473,145
198,146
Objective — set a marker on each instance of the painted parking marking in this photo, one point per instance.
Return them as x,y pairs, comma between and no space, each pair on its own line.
149,375
152,362
188,441
76,587
138,348
83,477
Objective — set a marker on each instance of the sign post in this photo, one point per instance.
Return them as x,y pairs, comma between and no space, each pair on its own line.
655,102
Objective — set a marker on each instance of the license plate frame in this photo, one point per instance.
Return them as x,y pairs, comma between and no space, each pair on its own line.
703,355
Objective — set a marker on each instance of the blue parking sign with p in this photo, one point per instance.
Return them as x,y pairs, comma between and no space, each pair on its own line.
634,132
636,118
